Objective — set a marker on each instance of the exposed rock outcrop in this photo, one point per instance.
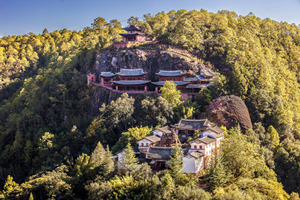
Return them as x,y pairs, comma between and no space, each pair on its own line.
150,60
230,111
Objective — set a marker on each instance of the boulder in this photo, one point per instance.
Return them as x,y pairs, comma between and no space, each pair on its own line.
230,111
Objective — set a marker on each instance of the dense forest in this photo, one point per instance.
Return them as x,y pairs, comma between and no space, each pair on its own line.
53,147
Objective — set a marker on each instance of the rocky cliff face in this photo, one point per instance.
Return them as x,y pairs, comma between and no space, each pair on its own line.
150,60
230,111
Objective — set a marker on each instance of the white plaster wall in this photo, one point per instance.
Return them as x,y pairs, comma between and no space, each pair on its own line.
199,164
219,141
145,142
188,165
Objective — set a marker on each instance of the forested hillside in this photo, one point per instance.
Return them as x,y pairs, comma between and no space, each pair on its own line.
48,132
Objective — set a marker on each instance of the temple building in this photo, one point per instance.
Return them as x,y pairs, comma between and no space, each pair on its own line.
134,34
176,76
134,81
186,127
131,80
107,78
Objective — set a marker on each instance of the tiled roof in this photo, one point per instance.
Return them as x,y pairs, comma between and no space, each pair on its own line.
191,79
217,130
195,154
192,124
131,72
132,28
196,85
107,74
207,72
170,73
195,78
160,152
131,34
178,83
205,79
152,138
134,82
205,140
164,129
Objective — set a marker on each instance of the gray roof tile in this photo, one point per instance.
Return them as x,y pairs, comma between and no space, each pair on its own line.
192,124
107,74
131,72
205,140
152,138
178,83
134,82
170,73
160,152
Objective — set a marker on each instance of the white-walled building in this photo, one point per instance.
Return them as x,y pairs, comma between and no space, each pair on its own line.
146,142
193,162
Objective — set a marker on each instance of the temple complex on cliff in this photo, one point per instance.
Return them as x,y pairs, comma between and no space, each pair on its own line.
134,81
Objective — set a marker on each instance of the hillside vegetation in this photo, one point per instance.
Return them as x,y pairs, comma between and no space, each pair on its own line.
47,131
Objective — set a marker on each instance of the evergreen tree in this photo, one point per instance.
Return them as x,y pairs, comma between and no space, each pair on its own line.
272,137
168,187
129,162
31,196
170,93
102,159
176,164
218,175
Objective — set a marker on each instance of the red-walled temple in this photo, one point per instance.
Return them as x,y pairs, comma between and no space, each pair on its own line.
134,34
134,80
175,76
131,79
107,78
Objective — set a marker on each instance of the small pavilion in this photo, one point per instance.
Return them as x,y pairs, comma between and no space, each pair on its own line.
134,34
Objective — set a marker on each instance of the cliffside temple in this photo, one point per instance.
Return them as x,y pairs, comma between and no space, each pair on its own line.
134,81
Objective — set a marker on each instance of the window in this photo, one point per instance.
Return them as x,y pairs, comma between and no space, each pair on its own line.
195,146
200,146
147,144
142,144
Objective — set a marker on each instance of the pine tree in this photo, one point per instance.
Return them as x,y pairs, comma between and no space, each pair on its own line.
129,162
99,154
218,175
102,159
272,137
31,196
176,163
168,187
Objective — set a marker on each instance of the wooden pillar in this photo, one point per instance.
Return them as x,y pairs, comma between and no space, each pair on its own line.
117,87
145,88
156,89
102,81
